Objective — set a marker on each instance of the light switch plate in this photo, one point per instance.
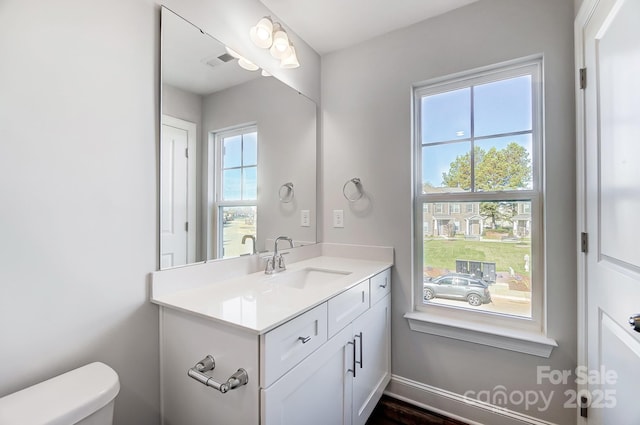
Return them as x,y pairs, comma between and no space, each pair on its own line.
304,218
338,218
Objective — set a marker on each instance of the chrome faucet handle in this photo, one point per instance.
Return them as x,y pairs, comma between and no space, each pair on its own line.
270,265
281,264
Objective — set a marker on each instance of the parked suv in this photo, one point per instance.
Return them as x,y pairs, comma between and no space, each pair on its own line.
457,286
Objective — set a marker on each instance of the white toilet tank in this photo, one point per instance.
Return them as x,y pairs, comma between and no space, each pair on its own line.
82,396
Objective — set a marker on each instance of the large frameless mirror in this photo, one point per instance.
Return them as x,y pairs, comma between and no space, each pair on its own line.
237,153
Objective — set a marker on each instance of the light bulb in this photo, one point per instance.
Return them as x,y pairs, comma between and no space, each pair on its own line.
261,34
280,47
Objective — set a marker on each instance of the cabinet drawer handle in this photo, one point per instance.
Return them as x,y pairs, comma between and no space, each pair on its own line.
385,283
354,357
304,339
358,362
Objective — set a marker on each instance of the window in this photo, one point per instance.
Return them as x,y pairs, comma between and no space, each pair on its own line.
478,141
237,189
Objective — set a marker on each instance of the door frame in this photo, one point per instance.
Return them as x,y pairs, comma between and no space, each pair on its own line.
192,204
583,18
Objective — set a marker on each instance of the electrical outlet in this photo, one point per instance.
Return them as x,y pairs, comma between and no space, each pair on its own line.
338,218
304,218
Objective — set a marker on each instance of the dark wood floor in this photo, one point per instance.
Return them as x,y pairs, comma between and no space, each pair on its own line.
391,411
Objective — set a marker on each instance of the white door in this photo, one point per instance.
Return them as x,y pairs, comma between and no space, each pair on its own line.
611,37
177,193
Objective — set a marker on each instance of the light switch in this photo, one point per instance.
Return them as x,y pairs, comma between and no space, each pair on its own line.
304,218
338,218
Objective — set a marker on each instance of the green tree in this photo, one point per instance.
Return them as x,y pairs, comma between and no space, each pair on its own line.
494,170
459,174
504,169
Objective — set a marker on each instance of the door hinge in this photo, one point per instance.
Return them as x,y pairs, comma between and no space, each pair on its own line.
186,152
186,226
583,78
584,242
583,407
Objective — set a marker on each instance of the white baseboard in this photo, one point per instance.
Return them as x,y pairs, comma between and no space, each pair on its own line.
446,403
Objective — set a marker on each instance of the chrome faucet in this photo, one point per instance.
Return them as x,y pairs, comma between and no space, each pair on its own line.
275,263
253,239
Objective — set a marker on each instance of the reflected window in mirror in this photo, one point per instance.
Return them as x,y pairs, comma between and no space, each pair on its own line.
237,194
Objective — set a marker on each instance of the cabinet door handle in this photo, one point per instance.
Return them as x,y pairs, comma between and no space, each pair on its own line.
304,339
385,283
354,348
354,357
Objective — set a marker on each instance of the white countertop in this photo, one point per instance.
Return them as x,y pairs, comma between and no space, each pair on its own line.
258,302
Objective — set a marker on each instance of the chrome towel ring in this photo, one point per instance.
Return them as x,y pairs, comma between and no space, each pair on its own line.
285,193
353,196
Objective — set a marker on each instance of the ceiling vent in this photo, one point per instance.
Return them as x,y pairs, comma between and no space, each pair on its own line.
217,60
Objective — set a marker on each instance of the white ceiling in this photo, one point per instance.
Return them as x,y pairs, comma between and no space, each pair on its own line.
190,59
329,25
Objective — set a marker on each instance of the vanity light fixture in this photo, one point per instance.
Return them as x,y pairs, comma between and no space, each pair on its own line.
262,33
232,52
269,35
242,61
280,47
290,61
247,64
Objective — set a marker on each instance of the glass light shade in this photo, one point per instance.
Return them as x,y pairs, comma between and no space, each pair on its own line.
261,34
280,47
290,61
248,65
265,73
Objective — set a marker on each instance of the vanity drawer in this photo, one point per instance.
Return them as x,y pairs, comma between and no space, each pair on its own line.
347,306
288,344
380,286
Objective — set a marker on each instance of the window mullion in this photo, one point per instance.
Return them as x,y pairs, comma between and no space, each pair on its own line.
473,144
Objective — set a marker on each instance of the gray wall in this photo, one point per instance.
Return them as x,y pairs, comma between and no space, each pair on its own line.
366,126
78,120
78,178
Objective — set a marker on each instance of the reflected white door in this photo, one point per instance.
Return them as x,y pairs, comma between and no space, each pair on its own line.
177,193
612,146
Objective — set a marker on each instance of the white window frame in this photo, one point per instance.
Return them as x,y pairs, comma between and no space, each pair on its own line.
514,333
216,175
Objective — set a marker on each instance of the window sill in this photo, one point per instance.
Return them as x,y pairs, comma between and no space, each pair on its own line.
521,341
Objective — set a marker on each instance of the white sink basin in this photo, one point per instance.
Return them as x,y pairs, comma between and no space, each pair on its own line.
307,277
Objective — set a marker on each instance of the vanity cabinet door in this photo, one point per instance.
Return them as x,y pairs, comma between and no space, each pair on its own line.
372,334
315,392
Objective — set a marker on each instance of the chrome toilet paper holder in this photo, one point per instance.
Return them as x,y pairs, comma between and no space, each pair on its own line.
198,372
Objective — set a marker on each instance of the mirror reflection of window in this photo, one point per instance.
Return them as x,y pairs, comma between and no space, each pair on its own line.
237,194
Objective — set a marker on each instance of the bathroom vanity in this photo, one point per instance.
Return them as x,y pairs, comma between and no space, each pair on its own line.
314,340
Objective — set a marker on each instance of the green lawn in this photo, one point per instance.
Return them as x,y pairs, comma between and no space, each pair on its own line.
443,253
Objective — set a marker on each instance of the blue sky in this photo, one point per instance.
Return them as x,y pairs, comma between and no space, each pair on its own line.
499,107
240,151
